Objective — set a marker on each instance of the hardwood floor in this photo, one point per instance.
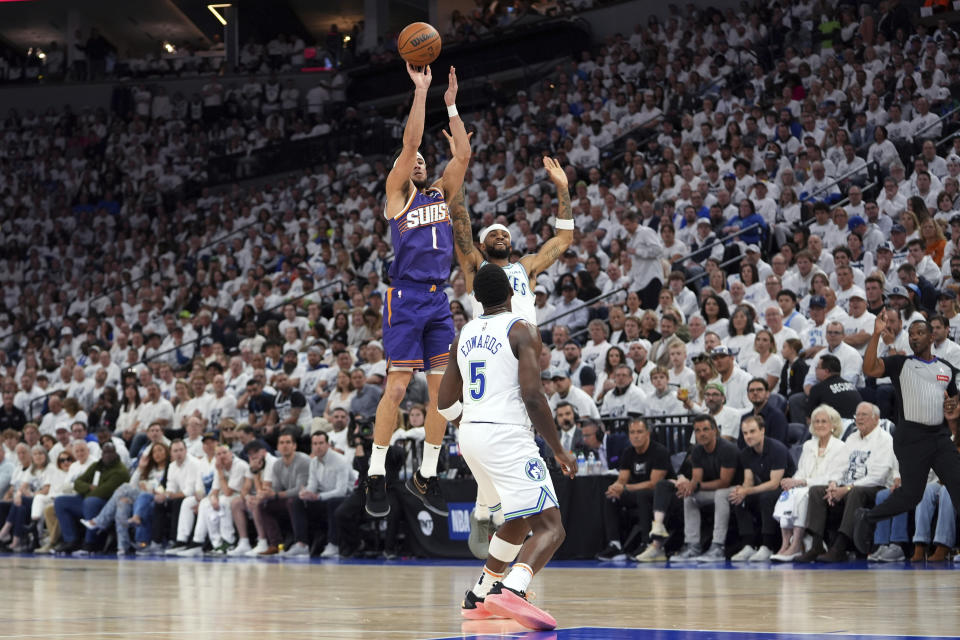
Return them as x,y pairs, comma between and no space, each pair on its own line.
99,598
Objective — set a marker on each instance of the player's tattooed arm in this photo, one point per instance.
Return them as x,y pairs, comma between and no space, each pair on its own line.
467,255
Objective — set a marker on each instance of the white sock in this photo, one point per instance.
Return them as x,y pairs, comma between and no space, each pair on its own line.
431,455
519,578
378,458
486,580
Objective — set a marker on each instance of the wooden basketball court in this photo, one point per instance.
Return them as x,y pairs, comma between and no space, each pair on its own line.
183,598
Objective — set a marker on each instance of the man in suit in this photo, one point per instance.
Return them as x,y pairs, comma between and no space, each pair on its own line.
659,351
862,133
570,435
607,447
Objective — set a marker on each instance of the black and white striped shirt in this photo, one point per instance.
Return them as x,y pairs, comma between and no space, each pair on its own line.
919,386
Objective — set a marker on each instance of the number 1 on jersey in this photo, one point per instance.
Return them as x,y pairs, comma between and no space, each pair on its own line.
478,380
434,230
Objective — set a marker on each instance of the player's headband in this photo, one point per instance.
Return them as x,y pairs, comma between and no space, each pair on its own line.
418,155
493,227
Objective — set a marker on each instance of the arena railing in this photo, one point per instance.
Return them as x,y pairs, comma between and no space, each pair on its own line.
873,168
673,431
586,304
949,136
939,120
123,285
711,245
836,181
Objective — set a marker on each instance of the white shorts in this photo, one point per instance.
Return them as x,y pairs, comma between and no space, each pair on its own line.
508,468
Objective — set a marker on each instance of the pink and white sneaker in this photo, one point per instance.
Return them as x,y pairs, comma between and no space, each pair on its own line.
504,601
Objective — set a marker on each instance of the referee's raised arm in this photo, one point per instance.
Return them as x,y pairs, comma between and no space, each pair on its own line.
872,365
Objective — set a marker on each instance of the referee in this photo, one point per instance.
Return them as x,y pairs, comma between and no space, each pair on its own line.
926,393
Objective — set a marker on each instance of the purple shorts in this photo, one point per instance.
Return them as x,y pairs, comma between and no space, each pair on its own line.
417,326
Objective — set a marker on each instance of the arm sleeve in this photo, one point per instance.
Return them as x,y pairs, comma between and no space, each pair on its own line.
197,478
650,246
82,484
728,458
662,461
811,375
893,365
236,481
312,473
587,376
780,460
342,478
816,393
626,461
696,457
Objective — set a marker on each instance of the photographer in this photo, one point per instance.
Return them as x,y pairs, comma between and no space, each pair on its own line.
350,514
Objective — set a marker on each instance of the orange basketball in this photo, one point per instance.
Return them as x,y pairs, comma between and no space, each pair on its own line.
419,44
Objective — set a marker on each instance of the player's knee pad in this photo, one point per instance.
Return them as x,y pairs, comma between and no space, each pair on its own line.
503,550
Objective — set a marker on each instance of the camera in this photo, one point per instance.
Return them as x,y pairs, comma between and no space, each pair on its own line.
362,430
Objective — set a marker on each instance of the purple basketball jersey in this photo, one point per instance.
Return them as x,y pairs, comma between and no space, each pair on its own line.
422,239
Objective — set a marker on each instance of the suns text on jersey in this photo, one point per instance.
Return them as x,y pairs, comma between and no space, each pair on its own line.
427,214
489,343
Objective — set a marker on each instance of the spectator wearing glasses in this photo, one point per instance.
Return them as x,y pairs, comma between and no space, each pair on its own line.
775,424
61,483
732,377
94,488
871,466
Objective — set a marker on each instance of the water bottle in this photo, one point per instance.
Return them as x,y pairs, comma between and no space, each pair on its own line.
581,464
591,464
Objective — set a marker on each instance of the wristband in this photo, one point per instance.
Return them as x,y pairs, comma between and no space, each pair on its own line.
452,110
565,224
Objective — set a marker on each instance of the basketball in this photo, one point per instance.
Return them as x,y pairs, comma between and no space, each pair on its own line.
419,44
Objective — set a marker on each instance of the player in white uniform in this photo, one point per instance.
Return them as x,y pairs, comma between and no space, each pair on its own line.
522,276
495,241
495,390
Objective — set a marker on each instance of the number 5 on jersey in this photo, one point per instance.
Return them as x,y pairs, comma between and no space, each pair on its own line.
478,380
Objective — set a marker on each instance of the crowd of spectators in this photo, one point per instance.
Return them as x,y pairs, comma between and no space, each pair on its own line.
92,57
735,241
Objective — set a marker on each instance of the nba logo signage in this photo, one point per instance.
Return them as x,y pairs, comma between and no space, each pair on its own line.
459,520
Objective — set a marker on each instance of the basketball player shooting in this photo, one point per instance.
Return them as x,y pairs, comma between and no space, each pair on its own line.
417,324
493,385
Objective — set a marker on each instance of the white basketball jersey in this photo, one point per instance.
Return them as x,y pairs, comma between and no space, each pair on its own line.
490,371
523,302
